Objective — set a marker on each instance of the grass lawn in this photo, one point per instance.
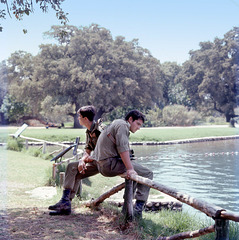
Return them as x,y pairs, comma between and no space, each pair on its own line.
28,217
145,134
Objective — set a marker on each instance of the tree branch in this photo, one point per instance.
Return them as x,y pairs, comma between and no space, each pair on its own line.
190,234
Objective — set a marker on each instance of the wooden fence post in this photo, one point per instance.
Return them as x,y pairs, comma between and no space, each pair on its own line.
44,148
54,171
128,201
26,143
62,178
221,229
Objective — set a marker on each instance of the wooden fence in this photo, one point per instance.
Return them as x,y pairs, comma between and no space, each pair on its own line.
218,214
43,144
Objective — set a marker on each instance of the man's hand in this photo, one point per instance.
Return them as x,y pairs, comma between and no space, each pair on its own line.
131,172
82,166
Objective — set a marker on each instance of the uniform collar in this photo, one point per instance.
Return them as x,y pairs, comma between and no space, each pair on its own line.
93,127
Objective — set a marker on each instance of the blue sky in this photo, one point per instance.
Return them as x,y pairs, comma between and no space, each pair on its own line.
169,29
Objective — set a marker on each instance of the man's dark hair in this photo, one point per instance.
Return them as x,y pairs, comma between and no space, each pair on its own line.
135,114
87,111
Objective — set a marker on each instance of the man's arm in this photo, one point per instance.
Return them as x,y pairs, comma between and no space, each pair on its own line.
126,160
82,162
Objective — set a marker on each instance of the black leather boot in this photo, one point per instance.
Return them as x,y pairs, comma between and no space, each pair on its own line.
138,208
63,207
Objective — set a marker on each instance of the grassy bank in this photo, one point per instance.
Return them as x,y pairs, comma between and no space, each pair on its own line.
145,134
28,215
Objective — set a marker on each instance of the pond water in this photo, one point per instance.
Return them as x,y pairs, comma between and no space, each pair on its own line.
205,170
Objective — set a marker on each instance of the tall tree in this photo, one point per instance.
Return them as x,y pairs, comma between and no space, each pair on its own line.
211,74
93,68
22,84
3,87
170,87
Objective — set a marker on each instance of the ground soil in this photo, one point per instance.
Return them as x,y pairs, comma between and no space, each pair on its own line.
84,223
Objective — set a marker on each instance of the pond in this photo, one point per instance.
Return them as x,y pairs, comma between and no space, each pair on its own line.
205,170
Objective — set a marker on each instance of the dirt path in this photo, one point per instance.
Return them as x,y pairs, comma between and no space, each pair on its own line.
82,224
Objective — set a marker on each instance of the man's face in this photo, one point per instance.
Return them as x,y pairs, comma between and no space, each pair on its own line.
81,120
135,125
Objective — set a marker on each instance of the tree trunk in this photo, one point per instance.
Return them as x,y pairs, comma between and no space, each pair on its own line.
76,121
228,118
99,114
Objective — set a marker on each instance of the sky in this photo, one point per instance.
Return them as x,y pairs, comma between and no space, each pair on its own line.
169,29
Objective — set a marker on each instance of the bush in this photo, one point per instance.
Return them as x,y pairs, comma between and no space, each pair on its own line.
154,118
14,144
178,115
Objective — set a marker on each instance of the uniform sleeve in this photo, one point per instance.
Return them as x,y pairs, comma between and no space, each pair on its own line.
122,138
87,142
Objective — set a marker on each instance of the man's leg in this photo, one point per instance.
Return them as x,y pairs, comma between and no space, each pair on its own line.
142,191
90,171
64,205
72,179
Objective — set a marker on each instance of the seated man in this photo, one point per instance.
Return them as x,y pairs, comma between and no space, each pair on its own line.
112,153
76,171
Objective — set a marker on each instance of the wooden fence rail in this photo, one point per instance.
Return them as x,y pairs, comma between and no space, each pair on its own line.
220,215
44,144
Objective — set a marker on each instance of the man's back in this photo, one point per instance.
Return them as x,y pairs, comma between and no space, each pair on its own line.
113,139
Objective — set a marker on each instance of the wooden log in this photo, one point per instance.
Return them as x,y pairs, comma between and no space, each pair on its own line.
54,171
44,148
230,216
209,209
190,234
26,143
128,201
62,178
222,229
109,193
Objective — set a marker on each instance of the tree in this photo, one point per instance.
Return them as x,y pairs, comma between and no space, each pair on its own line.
12,109
210,76
170,88
22,84
90,67
3,87
26,7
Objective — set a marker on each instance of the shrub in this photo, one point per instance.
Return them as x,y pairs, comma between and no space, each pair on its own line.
14,144
154,118
178,115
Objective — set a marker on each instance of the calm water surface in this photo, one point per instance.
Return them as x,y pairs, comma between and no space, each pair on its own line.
208,170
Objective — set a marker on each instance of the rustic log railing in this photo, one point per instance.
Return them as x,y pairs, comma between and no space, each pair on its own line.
44,143
218,214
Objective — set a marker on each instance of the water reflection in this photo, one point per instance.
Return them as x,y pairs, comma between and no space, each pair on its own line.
207,170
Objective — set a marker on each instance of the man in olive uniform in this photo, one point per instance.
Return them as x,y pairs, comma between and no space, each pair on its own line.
86,167
112,153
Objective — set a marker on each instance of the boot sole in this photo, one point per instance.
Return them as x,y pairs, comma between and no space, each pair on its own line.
54,213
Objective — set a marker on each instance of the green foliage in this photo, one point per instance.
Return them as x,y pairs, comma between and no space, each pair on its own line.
215,120
37,152
15,144
53,112
210,78
12,109
154,118
167,223
55,182
178,115
20,9
89,67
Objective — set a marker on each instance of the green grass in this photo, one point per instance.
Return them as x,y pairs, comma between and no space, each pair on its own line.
167,134
23,173
145,134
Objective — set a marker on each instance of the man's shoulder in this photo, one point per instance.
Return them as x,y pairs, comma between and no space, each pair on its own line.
119,122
